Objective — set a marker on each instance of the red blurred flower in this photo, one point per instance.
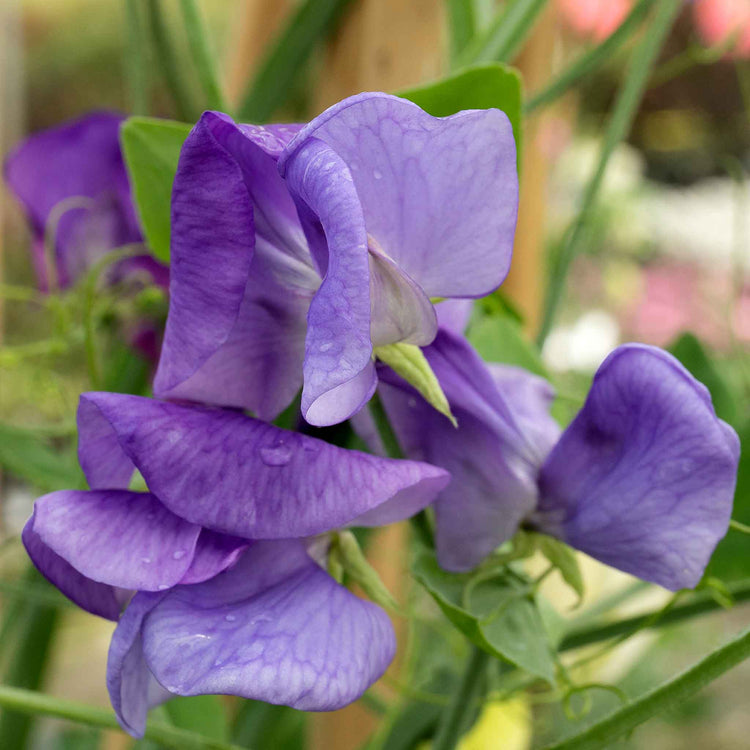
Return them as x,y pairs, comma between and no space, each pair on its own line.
595,19
718,19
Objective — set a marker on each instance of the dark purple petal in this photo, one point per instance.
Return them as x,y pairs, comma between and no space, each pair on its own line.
124,539
275,628
493,465
78,161
643,478
97,598
214,553
132,688
339,376
240,476
240,286
439,195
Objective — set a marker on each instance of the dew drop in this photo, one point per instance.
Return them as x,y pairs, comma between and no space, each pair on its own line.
179,554
146,560
163,586
278,455
325,347
377,174
230,618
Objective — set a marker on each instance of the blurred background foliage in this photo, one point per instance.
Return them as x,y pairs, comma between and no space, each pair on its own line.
665,259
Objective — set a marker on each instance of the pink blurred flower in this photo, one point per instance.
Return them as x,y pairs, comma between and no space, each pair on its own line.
595,19
717,19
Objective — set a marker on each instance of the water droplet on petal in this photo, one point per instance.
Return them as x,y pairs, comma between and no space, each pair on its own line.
230,618
178,554
163,586
146,560
325,347
277,455
378,175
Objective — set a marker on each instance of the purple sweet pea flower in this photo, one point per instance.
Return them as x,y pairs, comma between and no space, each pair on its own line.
642,479
72,180
297,250
217,560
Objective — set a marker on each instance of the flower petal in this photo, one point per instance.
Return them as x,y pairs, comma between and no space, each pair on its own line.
132,688
643,478
439,195
275,628
240,476
97,598
124,539
338,349
77,160
493,469
239,288
214,553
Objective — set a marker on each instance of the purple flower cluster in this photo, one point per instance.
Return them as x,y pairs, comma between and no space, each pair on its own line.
297,251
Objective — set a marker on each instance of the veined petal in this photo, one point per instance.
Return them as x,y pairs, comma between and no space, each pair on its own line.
643,478
440,195
240,476
239,285
132,688
339,377
275,628
120,538
74,174
97,598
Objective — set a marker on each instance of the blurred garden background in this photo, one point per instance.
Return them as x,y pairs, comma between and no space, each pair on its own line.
663,258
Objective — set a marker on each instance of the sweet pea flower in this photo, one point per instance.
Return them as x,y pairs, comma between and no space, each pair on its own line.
595,19
642,479
717,20
72,182
215,563
297,250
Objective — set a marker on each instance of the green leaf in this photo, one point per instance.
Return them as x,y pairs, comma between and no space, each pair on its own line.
260,725
498,338
662,699
565,560
409,362
347,551
487,86
306,29
495,613
691,352
152,149
28,456
203,714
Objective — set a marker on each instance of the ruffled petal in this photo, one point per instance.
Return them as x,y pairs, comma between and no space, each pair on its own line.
214,553
239,285
120,538
78,160
439,195
275,628
338,374
132,688
240,476
96,598
643,478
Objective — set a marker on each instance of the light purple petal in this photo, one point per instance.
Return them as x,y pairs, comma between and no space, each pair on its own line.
240,286
124,539
493,466
530,398
275,628
97,598
339,377
240,476
439,195
132,688
643,478
79,159
454,314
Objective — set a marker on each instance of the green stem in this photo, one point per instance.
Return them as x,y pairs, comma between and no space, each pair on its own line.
30,702
455,720
741,527
642,61
203,57
689,58
591,60
506,34
168,63
701,604
662,699
135,59
462,24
